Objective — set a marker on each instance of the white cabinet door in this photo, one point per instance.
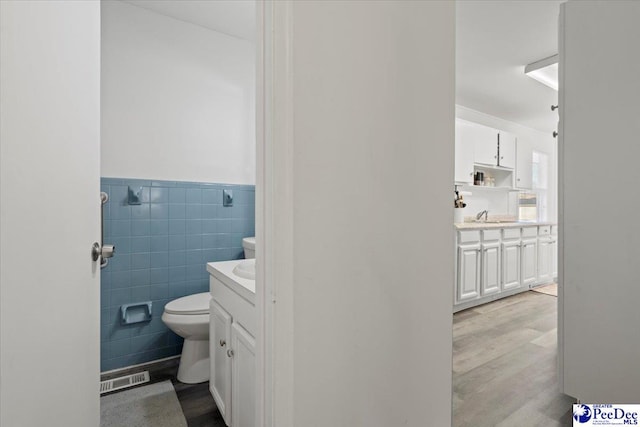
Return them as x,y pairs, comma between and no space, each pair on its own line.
529,254
524,157
544,260
468,272
220,343
510,265
243,377
507,150
464,152
490,268
485,144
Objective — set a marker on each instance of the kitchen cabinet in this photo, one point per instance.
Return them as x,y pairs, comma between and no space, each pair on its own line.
507,150
529,254
496,262
464,152
547,254
544,260
490,268
511,264
478,147
468,272
491,147
485,143
524,159
490,280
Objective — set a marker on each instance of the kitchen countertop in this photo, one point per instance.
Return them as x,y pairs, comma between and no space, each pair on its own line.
491,225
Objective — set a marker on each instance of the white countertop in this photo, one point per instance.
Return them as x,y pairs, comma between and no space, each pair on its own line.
223,271
491,225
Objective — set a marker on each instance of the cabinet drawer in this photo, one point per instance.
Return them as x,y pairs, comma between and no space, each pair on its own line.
554,230
544,230
511,233
490,235
530,232
469,236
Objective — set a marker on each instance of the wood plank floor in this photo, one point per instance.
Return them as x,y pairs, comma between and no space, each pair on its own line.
505,365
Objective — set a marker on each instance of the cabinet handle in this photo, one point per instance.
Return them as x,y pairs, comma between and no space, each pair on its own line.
554,107
229,353
223,343
555,133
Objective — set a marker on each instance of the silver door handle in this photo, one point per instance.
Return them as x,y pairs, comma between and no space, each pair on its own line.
100,250
103,252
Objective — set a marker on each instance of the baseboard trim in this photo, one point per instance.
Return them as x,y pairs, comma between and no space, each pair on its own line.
145,365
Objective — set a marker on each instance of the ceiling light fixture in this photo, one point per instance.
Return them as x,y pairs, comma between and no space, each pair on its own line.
545,71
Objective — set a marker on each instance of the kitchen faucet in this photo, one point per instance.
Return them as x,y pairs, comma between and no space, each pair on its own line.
485,213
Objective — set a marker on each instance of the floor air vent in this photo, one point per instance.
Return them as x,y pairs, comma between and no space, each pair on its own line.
124,382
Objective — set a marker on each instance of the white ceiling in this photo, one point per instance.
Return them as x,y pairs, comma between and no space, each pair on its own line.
494,41
236,18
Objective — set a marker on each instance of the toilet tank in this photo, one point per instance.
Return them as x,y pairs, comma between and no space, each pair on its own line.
249,245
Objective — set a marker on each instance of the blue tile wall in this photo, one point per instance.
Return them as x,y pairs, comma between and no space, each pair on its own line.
162,247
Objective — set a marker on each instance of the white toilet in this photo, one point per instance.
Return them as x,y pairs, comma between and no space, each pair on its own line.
249,245
189,317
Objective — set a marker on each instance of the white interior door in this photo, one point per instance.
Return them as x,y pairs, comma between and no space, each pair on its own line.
598,164
49,200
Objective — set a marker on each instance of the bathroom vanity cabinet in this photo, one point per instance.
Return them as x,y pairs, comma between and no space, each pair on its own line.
232,346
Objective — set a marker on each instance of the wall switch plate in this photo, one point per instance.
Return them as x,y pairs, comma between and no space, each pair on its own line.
135,195
227,197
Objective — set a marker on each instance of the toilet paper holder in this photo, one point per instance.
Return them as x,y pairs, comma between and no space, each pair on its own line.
136,312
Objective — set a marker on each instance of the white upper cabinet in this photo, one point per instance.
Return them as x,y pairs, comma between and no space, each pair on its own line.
477,143
464,151
524,157
485,142
507,150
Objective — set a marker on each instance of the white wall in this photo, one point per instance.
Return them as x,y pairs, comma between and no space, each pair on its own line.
178,100
540,141
363,314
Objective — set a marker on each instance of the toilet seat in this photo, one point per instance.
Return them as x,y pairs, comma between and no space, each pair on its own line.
189,305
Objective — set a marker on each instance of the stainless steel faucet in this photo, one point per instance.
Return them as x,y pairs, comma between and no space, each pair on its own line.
485,213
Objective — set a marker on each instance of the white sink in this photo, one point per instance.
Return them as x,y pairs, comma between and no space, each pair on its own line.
246,269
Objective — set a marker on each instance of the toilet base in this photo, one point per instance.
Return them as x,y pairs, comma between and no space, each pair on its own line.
194,362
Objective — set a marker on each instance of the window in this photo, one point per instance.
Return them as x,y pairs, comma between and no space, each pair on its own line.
532,205
527,206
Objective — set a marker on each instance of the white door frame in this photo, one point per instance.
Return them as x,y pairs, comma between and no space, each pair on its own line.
274,215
